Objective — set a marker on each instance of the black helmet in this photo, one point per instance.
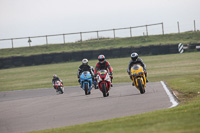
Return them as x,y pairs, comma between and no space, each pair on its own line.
134,56
101,58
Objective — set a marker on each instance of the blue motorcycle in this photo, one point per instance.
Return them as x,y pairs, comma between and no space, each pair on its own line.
86,82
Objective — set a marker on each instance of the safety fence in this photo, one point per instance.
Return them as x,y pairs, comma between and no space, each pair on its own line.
81,34
91,35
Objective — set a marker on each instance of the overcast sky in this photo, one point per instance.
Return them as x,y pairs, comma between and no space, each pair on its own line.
22,18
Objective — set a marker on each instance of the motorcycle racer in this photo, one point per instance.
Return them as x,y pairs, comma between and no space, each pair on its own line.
103,65
85,67
56,78
136,60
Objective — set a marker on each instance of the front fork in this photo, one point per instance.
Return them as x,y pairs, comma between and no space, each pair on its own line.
108,85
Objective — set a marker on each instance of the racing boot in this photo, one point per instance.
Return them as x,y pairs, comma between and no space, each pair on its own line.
146,77
79,81
107,94
111,78
95,84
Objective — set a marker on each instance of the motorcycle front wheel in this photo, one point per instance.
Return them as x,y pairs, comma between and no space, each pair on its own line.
142,90
60,90
104,90
86,88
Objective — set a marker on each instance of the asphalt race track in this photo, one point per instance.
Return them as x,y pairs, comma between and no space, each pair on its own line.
38,109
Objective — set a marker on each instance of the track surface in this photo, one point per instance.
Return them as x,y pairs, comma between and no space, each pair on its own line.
38,109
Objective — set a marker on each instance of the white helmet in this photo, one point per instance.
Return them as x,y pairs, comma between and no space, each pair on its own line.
85,61
134,56
55,76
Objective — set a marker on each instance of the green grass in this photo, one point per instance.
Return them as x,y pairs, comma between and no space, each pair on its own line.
185,38
181,72
188,86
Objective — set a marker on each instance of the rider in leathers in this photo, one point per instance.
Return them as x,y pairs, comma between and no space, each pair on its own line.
56,78
85,67
136,60
103,65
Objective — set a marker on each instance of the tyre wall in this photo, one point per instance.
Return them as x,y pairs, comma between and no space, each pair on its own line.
91,54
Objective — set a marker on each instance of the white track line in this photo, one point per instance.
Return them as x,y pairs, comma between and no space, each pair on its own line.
171,97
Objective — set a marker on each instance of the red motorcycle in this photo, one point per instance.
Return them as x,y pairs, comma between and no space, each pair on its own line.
59,87
104,82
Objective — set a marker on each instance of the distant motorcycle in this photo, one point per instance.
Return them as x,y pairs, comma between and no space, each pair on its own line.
138,77
59,87
86,82
104,82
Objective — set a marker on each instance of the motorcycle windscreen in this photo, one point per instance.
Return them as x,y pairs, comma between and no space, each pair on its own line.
102,72
136,67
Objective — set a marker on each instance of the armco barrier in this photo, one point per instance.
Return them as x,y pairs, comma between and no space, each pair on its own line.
90,54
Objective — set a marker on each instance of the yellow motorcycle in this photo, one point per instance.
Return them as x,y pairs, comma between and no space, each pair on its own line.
138,77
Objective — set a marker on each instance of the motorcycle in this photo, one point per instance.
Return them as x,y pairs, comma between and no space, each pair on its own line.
86,82
104,82
59,87
138,77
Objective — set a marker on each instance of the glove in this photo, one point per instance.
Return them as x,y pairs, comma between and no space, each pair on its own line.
111,74
129,73
144,68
